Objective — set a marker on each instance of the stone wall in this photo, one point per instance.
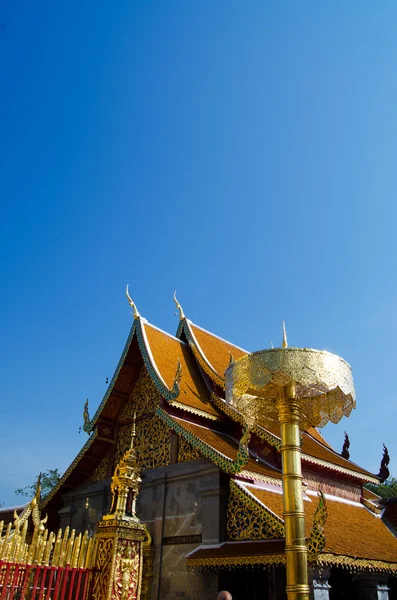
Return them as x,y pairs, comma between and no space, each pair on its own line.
183,505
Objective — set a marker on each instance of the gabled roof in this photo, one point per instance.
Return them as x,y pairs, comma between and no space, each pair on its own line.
165,353
188,372
350,529
212,352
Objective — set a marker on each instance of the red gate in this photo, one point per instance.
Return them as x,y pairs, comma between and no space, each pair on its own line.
39,582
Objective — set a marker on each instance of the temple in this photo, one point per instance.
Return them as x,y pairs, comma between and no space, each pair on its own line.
211,493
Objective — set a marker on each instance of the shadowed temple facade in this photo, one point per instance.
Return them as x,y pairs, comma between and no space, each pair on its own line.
211,494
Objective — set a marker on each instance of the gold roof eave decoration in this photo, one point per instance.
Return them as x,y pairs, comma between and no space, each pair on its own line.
323,383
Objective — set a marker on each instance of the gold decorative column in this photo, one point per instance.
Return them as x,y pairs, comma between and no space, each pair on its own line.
296,388
119,537
294,515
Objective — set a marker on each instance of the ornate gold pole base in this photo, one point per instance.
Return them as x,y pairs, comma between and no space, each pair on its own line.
119,546
294,516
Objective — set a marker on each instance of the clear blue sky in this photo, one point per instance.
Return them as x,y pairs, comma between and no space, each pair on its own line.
243,153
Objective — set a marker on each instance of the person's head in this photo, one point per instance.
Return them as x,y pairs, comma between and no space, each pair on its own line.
223,595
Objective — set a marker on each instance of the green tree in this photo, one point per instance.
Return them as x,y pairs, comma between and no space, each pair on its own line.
48,480
387,489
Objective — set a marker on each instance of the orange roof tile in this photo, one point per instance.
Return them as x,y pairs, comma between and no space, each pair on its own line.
226,445
350,530
166,351
214,349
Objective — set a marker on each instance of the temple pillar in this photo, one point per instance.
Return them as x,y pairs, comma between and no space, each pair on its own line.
119,560
319,586
371,587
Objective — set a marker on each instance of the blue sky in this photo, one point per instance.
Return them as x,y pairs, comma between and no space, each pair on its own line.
242,153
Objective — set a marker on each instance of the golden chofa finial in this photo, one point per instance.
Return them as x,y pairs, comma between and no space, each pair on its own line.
132,304
179,307
285,341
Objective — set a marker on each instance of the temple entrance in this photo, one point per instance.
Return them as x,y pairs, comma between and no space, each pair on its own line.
255,583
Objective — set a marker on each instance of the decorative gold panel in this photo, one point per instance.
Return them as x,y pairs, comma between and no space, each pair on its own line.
152,443
186,451
143,399
100,471
248,520
104,558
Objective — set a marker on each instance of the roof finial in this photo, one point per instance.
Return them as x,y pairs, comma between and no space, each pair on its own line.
285,341
132,304
346,445
179,307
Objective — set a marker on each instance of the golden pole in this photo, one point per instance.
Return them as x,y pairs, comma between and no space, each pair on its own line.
294,515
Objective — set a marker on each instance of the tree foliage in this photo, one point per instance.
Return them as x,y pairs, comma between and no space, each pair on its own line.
48,480
386,490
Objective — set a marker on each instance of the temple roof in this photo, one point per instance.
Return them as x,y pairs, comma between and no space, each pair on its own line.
188,372
350,529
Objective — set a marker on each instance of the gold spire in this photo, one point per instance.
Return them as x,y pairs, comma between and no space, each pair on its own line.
179,307
132,304
125,484
285,341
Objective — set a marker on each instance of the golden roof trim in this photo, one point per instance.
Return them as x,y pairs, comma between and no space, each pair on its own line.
195,411
259,477
349,562
335,467
236,561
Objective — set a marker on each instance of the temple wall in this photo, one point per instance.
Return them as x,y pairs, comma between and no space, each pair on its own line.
331,485
183,505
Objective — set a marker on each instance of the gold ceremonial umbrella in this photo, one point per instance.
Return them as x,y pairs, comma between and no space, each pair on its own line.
297,388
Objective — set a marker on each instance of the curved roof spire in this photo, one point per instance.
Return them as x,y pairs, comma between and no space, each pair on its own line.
132,304
179,307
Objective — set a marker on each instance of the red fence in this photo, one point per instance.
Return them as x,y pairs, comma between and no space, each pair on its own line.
39,582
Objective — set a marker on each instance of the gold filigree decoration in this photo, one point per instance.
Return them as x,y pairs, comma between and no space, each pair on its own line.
235,561
143,399
103,564
224,462
247,519
356,564
152,444
100,471
322,382
316,541
186,451
148,562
